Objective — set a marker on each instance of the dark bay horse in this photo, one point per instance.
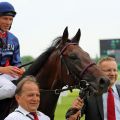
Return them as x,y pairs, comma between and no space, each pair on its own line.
64,63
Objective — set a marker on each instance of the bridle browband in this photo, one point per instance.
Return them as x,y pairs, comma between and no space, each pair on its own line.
63,49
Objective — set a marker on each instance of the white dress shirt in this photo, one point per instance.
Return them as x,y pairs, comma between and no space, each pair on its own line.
117,103
22,114
7,88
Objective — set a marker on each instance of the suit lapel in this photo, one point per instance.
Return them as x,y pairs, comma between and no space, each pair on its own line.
118,89
100,106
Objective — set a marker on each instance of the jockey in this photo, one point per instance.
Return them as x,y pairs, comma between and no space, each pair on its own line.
9,52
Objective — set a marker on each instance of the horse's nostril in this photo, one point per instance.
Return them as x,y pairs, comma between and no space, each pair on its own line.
104,83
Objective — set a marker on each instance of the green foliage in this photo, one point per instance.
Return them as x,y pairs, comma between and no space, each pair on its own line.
26,59
119,67
96,59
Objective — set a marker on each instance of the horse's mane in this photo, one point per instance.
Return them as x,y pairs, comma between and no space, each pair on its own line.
41,60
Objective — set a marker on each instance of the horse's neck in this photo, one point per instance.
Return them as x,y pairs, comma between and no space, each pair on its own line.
48,103
49,79
49,99
49,75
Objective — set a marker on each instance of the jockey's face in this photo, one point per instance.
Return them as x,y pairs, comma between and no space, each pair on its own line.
5,23
29,98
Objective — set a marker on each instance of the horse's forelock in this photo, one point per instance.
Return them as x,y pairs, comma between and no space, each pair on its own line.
57,42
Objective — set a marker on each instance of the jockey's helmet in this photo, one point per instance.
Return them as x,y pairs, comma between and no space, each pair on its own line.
6,9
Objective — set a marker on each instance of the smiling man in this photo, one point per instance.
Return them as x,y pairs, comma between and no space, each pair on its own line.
28,97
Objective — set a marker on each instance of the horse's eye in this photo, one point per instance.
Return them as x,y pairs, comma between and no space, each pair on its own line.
73,56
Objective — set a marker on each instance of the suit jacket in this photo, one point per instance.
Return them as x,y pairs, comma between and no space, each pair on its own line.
93,108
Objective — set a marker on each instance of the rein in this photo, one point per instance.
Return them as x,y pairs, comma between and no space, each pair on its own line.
26,64
58,91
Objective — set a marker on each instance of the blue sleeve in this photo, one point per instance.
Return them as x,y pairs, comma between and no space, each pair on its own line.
16,54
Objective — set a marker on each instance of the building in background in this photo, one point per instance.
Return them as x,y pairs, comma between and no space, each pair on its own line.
110,47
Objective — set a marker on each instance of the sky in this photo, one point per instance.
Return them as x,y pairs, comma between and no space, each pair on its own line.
39,22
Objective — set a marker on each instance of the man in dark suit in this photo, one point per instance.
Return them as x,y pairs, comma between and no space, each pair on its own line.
96,107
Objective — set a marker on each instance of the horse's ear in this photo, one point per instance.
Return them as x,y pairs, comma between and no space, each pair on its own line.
76,38
65,35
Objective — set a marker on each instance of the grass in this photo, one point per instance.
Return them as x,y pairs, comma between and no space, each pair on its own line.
66,102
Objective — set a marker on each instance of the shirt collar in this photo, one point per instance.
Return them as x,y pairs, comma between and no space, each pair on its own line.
21,109
114,88
3,34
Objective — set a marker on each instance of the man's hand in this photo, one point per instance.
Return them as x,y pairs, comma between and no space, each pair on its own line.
12,71
75,116
74,112
78,103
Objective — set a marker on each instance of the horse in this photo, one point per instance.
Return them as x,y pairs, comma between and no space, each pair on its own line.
64,63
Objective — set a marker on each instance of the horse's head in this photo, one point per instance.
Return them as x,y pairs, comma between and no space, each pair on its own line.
76,64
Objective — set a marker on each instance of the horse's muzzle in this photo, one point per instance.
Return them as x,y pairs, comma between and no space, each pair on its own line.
103,84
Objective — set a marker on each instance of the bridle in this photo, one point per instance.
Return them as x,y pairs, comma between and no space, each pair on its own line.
83,84
67,67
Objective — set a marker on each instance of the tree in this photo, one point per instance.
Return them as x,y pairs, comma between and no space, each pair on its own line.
26,59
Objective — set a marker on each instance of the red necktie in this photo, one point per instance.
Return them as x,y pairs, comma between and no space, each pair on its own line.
110,105
2,34
35,115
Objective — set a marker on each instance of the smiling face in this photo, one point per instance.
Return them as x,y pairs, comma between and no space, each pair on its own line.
5,22
110,70
29,98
